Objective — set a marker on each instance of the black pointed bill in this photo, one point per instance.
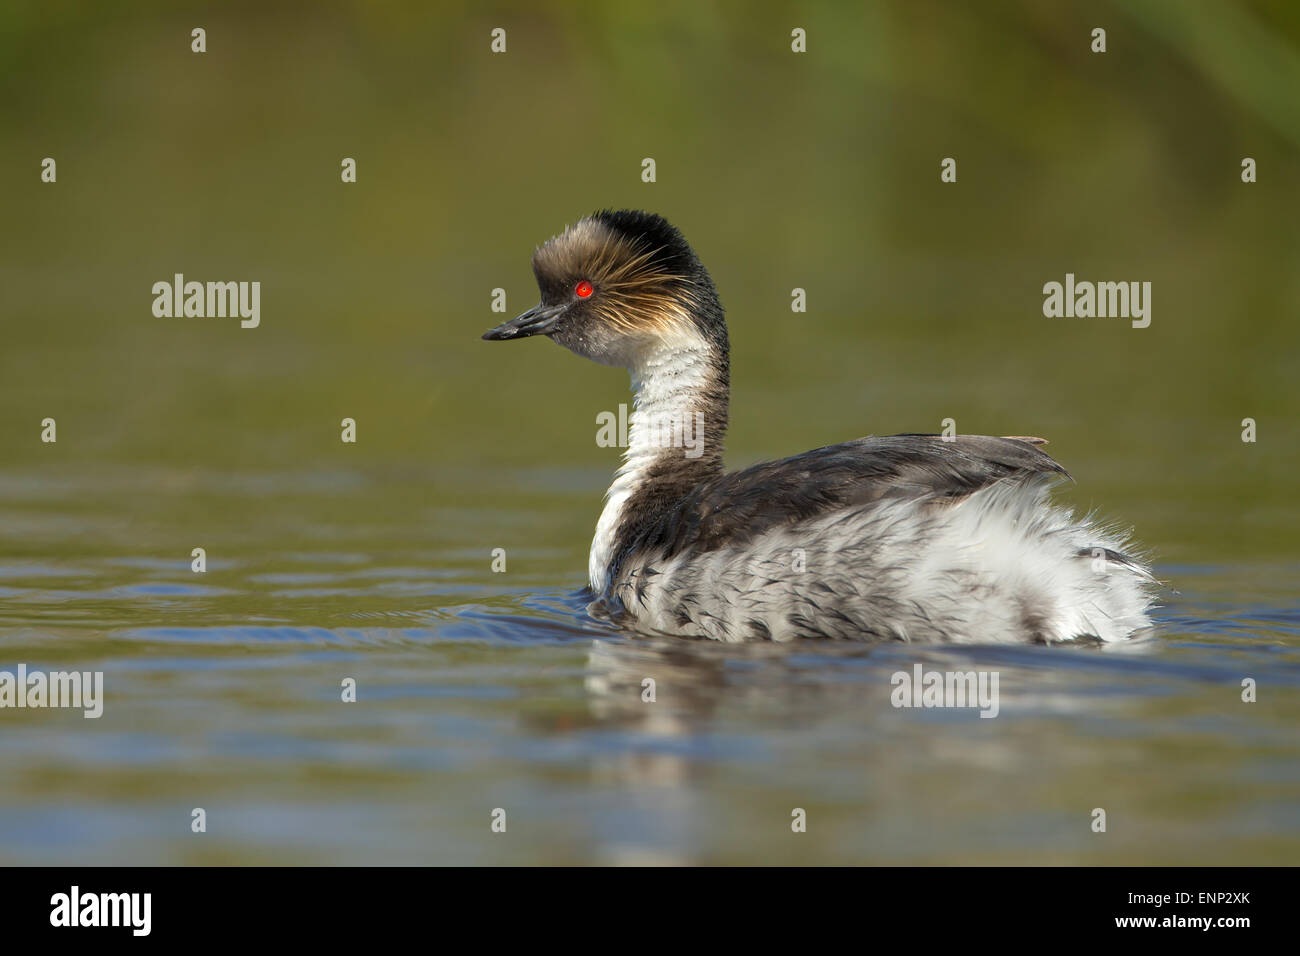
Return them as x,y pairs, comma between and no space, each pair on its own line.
536,321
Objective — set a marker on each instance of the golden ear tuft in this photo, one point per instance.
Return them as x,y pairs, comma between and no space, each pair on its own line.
633,292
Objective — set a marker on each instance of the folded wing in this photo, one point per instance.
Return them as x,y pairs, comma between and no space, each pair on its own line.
737,507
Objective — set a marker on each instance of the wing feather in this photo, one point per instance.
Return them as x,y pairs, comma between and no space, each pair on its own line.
737,507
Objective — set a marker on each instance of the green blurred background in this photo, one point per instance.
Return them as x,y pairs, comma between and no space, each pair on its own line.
818,170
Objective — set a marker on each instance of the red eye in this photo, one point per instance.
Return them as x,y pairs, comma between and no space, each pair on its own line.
583,289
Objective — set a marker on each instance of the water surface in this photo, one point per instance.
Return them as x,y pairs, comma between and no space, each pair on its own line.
480,690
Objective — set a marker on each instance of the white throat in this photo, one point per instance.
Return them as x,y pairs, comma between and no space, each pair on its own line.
666,419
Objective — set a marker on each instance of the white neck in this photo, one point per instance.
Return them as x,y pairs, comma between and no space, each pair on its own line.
667,383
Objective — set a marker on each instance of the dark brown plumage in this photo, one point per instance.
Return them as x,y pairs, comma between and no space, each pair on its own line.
676,513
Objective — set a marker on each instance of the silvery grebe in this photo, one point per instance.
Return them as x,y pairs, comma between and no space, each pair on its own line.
905,537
